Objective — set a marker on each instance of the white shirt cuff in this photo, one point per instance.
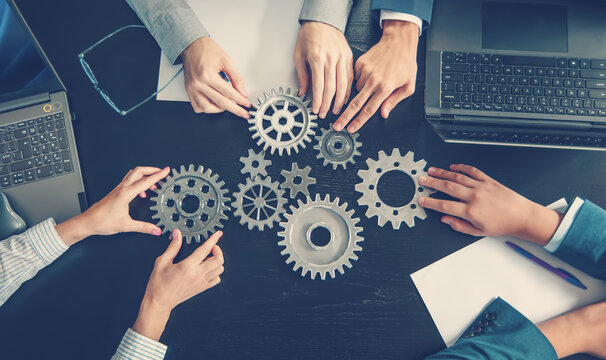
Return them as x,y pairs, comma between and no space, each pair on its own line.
46,241
565,225
140,347
395,15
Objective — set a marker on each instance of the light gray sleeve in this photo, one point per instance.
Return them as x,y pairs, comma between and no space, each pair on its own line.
172,23
331,12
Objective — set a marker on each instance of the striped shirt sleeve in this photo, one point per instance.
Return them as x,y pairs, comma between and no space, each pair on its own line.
135,346
23,255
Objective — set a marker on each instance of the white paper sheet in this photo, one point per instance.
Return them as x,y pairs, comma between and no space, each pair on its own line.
458,287
259,36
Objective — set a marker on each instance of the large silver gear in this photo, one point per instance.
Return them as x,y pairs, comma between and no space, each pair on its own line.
307,255
191,183
297,187
370,196
337,147
255,163
282,121
259,203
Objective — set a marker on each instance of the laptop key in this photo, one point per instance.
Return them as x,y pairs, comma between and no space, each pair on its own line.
455,67
447,56
599,104
67,161
6,158
21,133
593,74
22,165
4,169
5,181
29,175
45,171
18,178
529,61
452,77
598,64
597,94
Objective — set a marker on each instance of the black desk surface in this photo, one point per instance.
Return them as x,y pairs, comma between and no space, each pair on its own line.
80,306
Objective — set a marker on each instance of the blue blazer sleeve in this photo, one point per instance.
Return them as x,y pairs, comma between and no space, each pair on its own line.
584,245
419,8
500,332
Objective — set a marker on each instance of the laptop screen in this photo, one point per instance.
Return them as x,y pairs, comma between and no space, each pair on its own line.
23,68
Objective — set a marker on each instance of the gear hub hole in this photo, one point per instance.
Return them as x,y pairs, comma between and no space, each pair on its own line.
338,145
320,236
395,188
189,223
297,180
255,164
190,204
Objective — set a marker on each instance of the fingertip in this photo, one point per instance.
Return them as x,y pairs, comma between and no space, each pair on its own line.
337,126
421,200
176,234
156,231
446,220
143,195
431,170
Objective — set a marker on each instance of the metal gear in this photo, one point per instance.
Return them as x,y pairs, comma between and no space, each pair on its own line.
320,259
297,187
259,203
194,185
255,163
337,147
370,197
282,121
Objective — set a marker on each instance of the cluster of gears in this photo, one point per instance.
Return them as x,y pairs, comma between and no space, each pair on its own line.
195,201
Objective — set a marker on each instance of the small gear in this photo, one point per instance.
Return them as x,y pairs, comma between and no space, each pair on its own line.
297,180
254,163
259,203
282,121
337,147
192,200
308,254
370,196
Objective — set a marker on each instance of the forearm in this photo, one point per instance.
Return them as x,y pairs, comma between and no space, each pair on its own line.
151,320
73,230
539,224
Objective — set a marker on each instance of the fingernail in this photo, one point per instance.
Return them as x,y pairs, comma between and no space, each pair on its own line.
157,232
421,200
337,127
351,129
387,110
323,115
336,111
422,179
431,170
220,233
154,187
175,233
166,168
446,221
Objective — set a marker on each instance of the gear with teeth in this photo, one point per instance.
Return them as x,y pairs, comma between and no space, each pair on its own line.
370,196
254,163
303,248
192,200
297,180
337,147
282,121
259,203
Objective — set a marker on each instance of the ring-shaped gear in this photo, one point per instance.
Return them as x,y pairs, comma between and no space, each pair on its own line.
259,203
337,147
294,186
370,196
191,183
255,163
282,121
322,259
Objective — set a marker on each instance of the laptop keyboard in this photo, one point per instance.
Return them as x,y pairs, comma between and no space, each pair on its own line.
525,84
34,149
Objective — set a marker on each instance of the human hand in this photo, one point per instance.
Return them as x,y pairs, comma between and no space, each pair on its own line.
487,208
326,51
110,215
170,284
208,92
385,75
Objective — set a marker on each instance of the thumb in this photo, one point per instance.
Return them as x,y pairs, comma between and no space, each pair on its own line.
145,228
461,226
175,245
395,98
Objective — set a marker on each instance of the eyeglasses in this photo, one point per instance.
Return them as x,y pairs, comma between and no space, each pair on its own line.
91,76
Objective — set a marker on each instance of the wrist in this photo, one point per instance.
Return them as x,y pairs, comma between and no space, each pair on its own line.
151,320
538,224
399,29
75,229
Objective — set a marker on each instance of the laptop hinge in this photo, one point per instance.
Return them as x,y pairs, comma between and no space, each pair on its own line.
24,102
478,120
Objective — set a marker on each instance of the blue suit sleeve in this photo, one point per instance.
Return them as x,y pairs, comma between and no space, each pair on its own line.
584,245
419,8
500,332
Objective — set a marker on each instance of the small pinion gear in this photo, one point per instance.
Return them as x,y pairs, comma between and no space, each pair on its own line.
259,203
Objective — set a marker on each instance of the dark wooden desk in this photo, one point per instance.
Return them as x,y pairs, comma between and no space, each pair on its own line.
80,306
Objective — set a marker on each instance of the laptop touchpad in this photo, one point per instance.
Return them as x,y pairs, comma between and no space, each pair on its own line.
522,26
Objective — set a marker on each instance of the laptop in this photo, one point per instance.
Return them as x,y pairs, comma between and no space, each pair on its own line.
39,169
521,73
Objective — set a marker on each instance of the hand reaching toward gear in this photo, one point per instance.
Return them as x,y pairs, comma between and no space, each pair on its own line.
487,208
385,75
325,50
172,283
203,60
110,215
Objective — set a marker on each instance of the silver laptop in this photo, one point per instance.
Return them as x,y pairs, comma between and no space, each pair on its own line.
523,73
39,169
